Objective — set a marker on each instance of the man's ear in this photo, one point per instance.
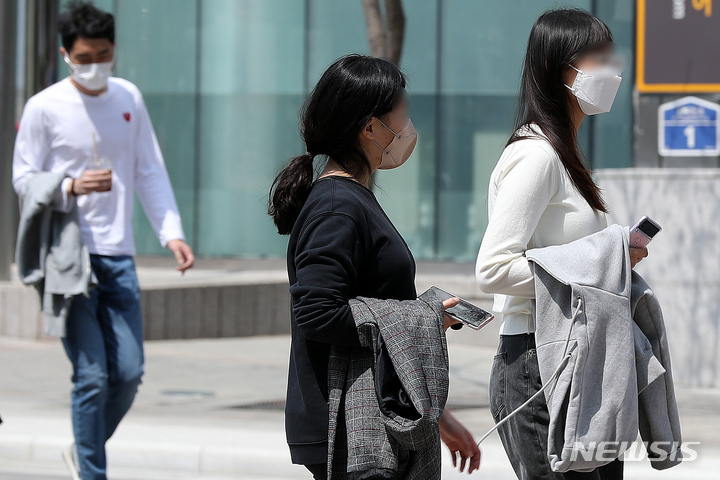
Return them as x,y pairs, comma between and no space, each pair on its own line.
63,52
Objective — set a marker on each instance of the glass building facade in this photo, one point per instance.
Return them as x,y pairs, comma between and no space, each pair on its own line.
224,81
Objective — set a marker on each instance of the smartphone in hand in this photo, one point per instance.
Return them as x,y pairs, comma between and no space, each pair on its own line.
643,232
465,312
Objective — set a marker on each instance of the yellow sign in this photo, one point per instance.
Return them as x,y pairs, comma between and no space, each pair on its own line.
703,5
677,45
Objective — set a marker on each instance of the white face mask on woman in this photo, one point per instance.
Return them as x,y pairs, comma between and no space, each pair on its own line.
595,90
400,148
93,76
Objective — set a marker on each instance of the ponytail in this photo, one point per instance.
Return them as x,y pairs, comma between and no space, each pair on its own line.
289,192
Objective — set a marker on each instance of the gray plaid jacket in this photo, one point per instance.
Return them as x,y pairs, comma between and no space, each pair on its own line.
367,439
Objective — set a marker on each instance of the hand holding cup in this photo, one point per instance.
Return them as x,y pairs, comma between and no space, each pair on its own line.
97,178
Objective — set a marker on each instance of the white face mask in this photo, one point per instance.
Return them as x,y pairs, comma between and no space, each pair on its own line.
400,148
93,76
596,90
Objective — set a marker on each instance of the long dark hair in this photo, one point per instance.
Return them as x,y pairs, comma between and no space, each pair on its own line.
558,39
350,93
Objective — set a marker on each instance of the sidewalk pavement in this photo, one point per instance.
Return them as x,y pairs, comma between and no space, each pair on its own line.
212,410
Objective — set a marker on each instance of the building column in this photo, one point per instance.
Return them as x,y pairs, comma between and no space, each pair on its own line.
8,61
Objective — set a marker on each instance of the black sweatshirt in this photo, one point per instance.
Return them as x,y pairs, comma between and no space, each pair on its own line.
342,246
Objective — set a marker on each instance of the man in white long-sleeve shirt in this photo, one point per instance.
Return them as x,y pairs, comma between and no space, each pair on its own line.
69,127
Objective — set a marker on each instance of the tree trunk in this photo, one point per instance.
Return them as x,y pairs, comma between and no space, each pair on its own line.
395,30
385,40
375,30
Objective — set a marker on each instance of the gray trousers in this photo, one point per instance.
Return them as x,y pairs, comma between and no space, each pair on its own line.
514,378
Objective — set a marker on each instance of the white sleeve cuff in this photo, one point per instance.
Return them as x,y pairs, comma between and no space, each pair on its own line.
171,229
63,201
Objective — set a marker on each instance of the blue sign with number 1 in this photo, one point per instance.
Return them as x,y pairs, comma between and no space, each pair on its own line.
689,127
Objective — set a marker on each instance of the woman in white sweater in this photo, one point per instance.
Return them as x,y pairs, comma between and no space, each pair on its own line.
542,194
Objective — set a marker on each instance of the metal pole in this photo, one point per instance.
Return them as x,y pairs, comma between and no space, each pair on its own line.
8,36
41,45
40,61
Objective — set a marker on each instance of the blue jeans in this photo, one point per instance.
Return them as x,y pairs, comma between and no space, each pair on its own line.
104,344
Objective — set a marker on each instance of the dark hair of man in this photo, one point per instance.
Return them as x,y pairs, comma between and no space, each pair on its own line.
83,19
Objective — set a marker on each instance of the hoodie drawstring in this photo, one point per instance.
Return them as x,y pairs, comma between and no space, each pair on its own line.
553,379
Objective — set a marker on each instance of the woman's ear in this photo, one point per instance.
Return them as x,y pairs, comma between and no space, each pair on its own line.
569,76
368,131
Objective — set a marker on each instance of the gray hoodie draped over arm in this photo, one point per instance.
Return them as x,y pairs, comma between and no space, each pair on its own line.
618,378
50,254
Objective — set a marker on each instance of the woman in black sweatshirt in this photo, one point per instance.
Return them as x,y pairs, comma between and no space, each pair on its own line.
342,244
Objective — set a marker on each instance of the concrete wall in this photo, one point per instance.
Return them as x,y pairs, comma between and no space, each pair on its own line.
171,312
19,311
216,311
684,262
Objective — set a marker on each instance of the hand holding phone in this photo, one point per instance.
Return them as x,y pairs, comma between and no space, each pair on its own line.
643,232
465,312
450,321
640,235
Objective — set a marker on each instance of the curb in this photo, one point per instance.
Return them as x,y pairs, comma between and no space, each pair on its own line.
148,455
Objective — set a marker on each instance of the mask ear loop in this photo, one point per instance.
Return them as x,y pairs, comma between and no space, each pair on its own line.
573,89
68,62
391,130
381,148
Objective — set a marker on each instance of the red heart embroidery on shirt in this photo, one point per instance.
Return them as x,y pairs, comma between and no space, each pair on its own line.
127,116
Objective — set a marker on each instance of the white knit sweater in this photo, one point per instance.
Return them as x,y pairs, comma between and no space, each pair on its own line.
532,203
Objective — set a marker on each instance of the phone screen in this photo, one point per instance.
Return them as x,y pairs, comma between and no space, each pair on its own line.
648,228
469,314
